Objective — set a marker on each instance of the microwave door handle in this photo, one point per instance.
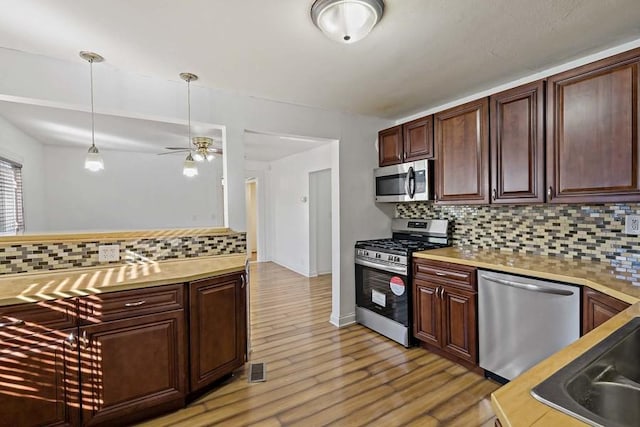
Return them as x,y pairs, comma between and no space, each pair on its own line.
407,178
412,182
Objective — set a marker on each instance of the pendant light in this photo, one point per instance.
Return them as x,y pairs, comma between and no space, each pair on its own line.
346,21
93,161
190,169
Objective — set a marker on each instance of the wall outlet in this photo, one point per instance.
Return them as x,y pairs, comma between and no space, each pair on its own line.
108,253
632,224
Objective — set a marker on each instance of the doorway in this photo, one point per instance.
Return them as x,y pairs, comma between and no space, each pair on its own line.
320,222
252,219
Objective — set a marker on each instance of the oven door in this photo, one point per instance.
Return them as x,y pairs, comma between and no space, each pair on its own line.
383,291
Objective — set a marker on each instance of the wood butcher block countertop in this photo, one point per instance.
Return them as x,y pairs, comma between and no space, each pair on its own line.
55,284
513,402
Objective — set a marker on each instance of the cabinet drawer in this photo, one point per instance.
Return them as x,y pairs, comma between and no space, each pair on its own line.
446,273
125,304
37,318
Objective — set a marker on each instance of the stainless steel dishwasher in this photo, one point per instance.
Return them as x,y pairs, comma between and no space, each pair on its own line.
522,321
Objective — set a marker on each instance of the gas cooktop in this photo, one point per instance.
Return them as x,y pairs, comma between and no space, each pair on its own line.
397,246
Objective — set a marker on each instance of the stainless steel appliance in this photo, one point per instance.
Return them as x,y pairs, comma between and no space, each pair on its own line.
405,182
383,275
522,321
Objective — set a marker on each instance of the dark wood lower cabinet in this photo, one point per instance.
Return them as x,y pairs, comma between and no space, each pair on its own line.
597,308
218,328
124,356
445,309
459,332
132,368
39,381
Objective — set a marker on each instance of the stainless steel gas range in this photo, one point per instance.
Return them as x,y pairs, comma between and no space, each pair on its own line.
383,275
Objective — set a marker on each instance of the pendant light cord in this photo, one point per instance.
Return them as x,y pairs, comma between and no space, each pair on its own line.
93,139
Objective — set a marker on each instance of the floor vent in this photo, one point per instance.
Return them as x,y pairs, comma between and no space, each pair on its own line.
257,372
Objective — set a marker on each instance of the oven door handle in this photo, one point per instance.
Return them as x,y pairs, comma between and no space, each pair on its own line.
387,268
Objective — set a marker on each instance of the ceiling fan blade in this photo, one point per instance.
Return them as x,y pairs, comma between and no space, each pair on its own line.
173,152
175,148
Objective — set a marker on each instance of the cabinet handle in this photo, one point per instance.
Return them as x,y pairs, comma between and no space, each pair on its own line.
441,292
13,323
134,304
495,193
441,274
85,340
404,156
243,282
71,340
549,192
435,196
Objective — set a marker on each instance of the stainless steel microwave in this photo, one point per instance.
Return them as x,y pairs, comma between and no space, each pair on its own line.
406,182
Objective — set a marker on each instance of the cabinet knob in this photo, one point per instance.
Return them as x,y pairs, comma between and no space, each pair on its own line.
71,340
85,339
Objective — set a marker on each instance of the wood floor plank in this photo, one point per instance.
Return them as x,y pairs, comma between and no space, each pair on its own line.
320,375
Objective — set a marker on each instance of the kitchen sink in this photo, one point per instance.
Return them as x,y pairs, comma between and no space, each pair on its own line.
602,386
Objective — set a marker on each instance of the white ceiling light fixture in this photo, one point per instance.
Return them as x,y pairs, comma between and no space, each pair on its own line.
346,21
93,161
190,169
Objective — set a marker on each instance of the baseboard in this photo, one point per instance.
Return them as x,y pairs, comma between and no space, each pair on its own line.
288,267
343,321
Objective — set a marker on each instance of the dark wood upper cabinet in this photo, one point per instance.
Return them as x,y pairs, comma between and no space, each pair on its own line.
592,132
517,145
418,139
390,146
462,154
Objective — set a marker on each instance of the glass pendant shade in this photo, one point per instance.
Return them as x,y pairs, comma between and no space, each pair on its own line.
93,161
346,21
190,169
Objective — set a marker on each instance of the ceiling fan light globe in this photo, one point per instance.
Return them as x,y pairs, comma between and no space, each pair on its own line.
198,157
190,169
210,157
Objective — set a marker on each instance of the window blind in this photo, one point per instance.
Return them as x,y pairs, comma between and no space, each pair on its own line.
11,209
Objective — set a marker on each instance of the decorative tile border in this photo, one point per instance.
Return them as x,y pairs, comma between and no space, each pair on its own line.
29,257
589,232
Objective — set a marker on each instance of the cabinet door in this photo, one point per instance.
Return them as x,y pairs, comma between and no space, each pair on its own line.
218,328
462,154
39,380
132,368
390,146
597,308
459,332
517,145
418,139
426,312
592,132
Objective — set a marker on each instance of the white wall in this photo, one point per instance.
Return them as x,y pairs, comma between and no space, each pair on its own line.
320,222
135,191
21,148
290,213
252,217
42,80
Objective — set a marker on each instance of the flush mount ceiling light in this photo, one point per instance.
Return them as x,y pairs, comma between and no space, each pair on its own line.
93,161
346,21
190,169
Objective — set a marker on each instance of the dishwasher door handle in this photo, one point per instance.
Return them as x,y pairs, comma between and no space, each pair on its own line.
529,286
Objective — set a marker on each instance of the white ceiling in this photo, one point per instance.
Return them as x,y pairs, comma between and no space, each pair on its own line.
264,147
57,126
422,54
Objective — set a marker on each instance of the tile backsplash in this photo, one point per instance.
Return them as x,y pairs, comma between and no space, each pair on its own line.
585,232
32,256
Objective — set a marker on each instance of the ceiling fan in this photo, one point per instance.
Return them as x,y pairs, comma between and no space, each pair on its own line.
204,149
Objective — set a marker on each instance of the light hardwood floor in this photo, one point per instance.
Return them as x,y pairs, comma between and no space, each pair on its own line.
319,375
